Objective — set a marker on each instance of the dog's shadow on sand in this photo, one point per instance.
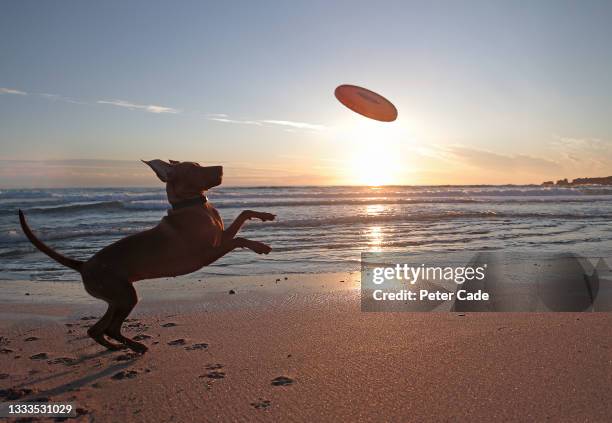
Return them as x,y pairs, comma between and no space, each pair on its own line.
80,381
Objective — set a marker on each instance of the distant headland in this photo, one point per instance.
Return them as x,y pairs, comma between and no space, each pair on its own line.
605,180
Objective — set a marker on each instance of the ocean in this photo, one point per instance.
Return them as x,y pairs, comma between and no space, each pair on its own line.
318,229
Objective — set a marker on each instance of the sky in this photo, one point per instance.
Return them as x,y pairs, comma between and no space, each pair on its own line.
489,92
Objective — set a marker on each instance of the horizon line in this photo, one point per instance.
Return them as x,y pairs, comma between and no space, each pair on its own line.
297,186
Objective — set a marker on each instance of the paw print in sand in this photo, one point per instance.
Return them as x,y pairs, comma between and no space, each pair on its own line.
282,381
261,404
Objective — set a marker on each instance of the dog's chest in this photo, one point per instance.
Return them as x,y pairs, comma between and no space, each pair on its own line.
200,226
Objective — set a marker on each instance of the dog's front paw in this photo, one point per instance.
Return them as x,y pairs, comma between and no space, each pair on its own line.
265,249
264,217
258,247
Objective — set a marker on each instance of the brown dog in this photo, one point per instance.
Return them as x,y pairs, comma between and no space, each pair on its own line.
190,237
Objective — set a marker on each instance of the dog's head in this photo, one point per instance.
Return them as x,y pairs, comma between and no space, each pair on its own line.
185,180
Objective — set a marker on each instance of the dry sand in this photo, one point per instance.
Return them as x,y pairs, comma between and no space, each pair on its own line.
301,350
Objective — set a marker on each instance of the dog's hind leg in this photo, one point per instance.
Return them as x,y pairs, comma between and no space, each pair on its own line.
97,288
96,332
123,302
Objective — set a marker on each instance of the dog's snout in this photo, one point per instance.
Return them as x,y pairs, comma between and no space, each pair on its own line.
214,175
218,171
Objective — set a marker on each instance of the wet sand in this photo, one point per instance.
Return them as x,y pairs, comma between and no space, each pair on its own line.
300,350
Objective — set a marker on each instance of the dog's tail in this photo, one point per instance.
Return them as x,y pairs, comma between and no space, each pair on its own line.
68,262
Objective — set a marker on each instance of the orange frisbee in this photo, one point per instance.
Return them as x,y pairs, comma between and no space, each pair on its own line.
366,103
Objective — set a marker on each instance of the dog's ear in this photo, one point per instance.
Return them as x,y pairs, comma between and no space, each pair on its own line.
162,169
174,161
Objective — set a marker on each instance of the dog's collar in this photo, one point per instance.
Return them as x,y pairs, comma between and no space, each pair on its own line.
197,201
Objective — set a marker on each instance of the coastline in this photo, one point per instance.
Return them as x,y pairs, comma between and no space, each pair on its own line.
213,293
301,349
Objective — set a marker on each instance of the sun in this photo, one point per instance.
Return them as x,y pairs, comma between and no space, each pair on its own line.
372,153
372,167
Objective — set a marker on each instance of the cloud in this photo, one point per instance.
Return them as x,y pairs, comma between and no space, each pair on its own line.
497,162
131,173
587,154
58,97
240,122
288,124
151,108
583,145
12,91
297,125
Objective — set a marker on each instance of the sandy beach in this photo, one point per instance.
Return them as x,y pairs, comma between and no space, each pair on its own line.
331,211
300,349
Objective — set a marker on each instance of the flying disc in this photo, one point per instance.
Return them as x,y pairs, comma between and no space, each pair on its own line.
366,103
